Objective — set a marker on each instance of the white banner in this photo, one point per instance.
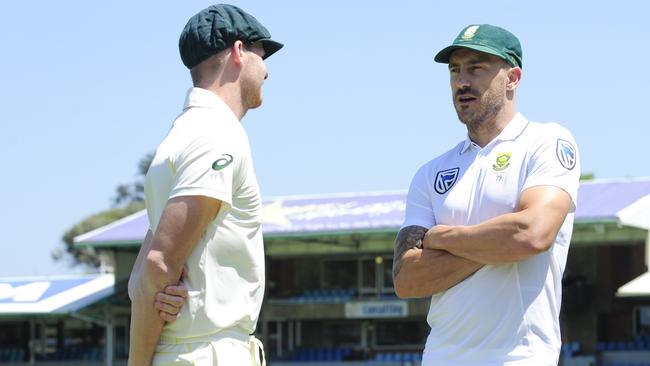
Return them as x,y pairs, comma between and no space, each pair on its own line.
376,309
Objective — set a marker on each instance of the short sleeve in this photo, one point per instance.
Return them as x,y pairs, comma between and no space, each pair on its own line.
419,208
206,167
555,162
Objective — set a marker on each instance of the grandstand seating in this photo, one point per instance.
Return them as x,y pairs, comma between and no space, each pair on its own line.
67,354
639,343
570,349
322,354
324,296
12,354
73,353
338,295
398,357
340,354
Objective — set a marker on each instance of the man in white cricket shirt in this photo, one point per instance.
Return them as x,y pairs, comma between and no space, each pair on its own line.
204,205
488,223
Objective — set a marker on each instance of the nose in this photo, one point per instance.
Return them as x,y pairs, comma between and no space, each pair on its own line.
462,80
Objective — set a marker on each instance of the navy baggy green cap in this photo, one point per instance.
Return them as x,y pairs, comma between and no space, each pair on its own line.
216,28
486,38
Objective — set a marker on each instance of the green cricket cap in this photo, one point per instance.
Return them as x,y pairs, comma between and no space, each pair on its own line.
216,28
485,38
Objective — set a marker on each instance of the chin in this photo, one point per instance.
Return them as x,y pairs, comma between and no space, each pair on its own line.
256,104
462,117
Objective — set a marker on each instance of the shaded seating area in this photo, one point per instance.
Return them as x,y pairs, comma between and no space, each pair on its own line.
12,354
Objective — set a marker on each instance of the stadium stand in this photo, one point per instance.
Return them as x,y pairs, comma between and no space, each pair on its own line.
329,291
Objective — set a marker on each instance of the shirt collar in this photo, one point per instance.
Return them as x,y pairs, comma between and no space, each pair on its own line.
203,98
466,145
513,129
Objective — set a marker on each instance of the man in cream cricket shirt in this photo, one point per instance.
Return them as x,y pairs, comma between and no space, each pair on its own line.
204,205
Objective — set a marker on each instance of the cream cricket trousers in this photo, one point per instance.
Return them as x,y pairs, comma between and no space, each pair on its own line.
226,348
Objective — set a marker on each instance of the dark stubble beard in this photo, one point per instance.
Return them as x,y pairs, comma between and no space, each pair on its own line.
490,105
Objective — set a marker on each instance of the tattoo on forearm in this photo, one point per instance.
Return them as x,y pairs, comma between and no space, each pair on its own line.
407,238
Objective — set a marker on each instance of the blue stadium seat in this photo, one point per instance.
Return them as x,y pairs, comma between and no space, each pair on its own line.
96,354
380,357
11,354
395,356
418,356
19,355
303,355
312,355
5,354
338,354
408,357
570,349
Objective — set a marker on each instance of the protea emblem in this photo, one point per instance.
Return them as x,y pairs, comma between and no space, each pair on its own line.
502,162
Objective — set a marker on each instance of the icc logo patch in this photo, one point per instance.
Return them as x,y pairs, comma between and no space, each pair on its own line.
566,154
445,179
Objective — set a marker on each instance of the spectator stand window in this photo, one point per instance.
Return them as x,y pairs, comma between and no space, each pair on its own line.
370,276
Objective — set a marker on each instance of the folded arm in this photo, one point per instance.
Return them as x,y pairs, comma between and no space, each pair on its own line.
511,237
183,222
170,300
422,272
137,266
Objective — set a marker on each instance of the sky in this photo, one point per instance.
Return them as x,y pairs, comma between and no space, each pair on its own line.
354,101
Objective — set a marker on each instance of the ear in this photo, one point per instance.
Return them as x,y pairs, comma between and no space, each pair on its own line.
237,52
514,77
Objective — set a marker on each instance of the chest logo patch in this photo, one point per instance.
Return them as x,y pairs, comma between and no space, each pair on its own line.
502,162
566,154
222,162
445,179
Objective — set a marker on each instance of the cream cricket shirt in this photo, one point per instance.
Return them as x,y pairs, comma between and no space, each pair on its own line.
206,153
503,314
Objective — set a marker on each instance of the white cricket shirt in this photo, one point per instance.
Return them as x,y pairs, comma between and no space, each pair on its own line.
207,153
502,314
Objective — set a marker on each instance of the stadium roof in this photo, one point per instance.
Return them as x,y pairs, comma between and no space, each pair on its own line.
623,201
614,200
638,287
52,295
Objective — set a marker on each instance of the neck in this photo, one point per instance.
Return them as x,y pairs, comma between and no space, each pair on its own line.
229,92
485,131
232,98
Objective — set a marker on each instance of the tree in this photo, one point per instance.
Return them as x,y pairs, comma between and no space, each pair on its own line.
134,192
587,176
129,198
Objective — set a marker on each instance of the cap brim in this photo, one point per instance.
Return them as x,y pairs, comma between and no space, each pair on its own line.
443,56
270,47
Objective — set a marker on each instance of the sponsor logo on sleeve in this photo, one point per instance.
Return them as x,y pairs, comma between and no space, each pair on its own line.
566,154
223,161
445,179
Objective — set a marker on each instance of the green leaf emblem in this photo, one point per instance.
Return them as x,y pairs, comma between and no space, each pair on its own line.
502,162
